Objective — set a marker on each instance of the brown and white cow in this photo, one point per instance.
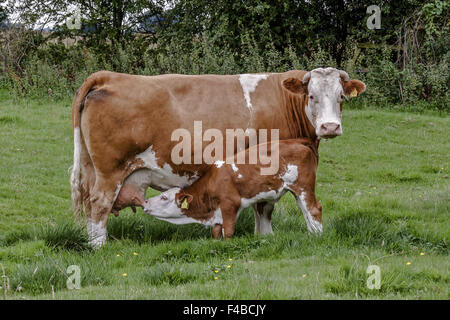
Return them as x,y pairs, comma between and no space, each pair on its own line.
227,188
123,123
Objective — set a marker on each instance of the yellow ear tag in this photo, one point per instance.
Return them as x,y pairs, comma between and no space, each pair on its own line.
354,93
185,204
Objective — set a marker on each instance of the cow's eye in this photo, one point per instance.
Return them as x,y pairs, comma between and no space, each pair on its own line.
311,97
163,198
342,96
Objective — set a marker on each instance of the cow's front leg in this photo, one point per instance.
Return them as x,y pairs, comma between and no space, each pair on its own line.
263,217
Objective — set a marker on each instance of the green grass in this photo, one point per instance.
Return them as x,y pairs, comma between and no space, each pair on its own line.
383,185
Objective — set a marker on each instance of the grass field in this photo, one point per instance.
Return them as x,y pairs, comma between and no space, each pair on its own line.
384,187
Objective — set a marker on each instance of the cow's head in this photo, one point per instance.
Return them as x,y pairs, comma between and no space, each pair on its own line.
325,90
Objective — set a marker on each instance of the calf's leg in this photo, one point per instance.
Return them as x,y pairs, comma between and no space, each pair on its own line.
217,231
312,210
229,217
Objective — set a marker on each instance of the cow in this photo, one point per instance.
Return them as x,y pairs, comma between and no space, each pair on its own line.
218,197
123,124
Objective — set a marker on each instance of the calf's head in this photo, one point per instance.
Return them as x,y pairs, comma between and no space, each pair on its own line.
168,204
325,89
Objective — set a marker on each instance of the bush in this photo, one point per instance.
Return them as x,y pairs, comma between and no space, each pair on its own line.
413,71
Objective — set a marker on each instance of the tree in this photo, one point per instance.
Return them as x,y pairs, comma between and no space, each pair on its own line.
102,20
303,24
3,13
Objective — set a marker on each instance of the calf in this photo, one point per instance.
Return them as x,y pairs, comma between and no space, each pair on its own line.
217,198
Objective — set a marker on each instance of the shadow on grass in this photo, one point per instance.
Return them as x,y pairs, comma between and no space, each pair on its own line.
69,235
145,229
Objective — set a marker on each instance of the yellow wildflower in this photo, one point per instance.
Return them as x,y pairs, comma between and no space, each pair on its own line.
124,274
408,263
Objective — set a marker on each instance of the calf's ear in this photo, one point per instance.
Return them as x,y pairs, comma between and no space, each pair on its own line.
353,88
295,85
183,199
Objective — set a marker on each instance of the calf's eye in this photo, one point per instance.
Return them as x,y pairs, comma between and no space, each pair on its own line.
311,97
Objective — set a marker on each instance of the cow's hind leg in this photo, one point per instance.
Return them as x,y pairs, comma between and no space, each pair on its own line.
263,217
102,198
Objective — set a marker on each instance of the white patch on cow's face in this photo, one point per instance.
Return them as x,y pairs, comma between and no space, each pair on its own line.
325,94
164,207
312,224
96,233
161,178
249,82
234,167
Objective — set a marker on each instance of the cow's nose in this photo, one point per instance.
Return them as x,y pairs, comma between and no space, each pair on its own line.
330,129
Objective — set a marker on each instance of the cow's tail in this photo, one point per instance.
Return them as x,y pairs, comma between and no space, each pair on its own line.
77,107
75,176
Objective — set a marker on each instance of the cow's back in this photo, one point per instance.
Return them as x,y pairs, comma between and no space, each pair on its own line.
125,114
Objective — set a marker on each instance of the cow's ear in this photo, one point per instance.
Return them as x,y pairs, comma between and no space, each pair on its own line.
183,199
295,85
353,88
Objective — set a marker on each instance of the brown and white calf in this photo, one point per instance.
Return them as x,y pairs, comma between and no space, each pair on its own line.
217,198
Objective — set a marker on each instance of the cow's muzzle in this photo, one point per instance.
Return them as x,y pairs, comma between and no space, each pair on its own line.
146,207
330,130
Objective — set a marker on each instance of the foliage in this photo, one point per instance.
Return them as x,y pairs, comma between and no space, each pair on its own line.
404,62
